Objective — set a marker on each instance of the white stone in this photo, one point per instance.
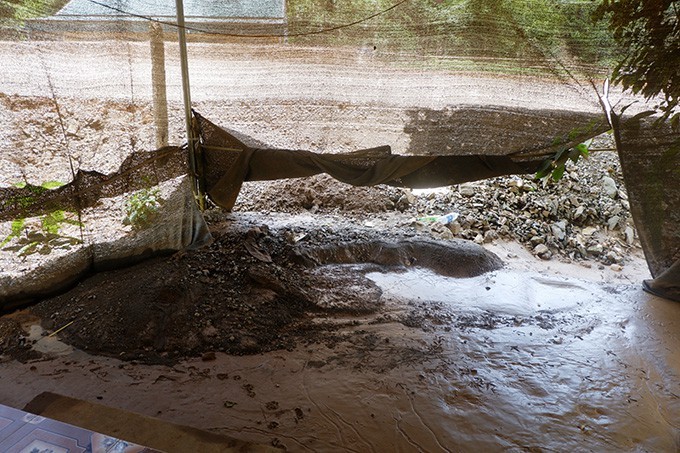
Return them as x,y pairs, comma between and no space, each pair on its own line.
609,187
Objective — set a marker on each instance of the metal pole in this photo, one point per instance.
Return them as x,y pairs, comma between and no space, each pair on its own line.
192,141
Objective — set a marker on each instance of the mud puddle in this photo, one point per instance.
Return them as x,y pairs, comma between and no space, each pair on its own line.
506,293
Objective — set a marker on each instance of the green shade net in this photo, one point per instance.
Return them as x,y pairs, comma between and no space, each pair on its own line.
91,106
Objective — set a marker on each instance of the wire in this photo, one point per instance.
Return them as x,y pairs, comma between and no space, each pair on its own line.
237,35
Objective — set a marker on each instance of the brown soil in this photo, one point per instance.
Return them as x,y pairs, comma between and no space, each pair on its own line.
254,289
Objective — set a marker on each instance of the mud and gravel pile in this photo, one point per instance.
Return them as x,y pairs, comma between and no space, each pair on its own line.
584,216
254,289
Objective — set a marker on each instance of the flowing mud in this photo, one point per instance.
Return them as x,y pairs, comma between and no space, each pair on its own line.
388,356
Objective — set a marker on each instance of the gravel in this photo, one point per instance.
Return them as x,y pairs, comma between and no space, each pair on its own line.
584,216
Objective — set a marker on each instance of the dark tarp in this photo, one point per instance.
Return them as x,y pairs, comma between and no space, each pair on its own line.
650,157
650,160
228,162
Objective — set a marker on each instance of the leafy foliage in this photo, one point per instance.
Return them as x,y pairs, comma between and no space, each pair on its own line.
141,208
12,11
524,29
650,31
555,166
44,235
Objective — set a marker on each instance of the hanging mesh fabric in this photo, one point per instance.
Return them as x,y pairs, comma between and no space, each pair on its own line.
93,167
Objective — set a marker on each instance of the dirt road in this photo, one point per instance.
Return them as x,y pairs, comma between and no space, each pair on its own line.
120,70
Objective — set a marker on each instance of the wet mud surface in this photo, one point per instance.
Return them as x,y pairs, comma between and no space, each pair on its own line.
320,347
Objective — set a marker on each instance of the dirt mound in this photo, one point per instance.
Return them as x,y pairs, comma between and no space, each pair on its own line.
254,289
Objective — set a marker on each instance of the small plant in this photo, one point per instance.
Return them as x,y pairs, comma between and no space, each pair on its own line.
555,166
42,237
142,207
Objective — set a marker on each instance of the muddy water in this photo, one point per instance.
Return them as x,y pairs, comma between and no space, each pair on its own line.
511,360
598,370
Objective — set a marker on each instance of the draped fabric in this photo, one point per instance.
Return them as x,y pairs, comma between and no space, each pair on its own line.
228,163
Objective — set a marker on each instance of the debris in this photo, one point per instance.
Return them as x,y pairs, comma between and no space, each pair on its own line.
256,252
589,231
609,187
595,249
630,235
443,219
542,251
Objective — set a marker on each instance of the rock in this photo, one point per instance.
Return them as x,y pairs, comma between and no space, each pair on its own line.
440,231
609,187
490,236
613,257
616,267
559,230
467,191
588,231
630,235
455,227
613,222
72,128
595,249
535,240
405,201
542,251
479,239
418,225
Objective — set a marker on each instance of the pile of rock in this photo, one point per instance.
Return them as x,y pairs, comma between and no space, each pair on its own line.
585,215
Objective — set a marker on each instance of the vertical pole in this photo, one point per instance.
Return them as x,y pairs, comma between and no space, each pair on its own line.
160,98
192,141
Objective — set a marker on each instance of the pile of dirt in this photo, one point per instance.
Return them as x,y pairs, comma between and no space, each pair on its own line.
255,289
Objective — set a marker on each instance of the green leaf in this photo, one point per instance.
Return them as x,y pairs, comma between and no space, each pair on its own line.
582,149
20,185
558,173
50,222
51,184
18,226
